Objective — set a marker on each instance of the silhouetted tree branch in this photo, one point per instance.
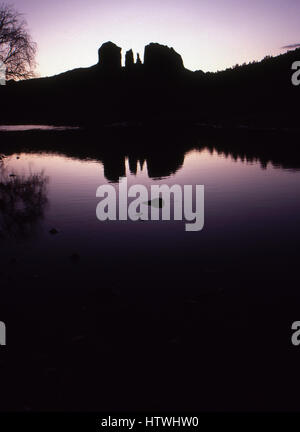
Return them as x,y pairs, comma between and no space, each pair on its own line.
22,201
17,50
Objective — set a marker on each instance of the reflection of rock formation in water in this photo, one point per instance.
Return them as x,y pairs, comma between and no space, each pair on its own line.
164,164
22,203
133,161
164,151
114,167
142,163
159,165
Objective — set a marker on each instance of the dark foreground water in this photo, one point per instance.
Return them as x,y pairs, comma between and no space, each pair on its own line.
144,315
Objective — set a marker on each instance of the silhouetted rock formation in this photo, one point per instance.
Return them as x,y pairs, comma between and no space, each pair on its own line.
168,92
110,56
138,60
129,61
162,59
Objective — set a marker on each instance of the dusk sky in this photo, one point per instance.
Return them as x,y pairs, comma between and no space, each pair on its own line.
209,34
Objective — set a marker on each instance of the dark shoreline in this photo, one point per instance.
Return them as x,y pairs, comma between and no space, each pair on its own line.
276,146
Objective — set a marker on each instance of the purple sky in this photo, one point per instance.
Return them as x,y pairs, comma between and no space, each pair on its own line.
209,34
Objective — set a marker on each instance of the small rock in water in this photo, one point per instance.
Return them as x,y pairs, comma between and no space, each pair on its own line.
156,202
53,231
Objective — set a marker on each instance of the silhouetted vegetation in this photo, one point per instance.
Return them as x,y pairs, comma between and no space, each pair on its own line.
17,50
259,94
22,202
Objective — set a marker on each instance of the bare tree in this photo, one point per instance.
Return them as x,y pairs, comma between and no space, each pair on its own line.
17,50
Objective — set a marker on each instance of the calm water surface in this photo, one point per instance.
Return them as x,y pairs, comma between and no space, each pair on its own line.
182,319
251,219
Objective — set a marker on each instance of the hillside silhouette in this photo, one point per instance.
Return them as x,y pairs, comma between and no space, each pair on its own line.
160,90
